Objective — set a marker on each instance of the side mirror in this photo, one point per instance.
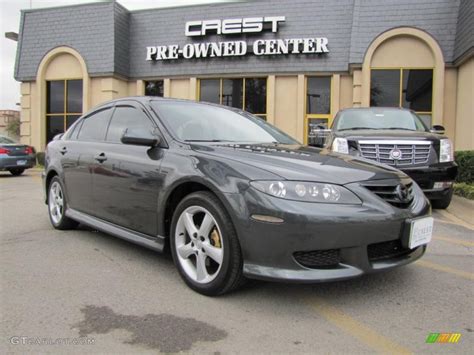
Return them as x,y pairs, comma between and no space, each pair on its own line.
437,129
140,137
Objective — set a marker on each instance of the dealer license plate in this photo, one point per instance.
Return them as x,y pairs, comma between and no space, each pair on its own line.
21,162
420,232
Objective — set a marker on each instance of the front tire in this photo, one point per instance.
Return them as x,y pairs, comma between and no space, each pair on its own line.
443,203
16,171
204,245
57,206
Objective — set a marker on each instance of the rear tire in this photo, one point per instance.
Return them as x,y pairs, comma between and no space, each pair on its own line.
444,202
57,206
16,171
208,258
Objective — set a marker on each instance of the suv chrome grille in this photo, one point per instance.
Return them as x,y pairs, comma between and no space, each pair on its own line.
396,153
399,195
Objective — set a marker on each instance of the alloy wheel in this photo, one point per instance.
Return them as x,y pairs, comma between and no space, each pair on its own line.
56,202
199,244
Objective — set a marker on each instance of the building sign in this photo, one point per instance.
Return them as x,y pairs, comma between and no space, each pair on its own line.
247,25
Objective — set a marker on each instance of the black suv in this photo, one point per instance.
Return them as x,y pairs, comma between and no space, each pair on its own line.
399,138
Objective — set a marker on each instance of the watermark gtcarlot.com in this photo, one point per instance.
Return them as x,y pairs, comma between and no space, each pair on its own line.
26,340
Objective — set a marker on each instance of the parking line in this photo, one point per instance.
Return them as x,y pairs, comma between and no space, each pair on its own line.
438,267
455,241
356,329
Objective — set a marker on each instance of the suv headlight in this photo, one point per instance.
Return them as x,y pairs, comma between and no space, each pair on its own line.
340,145
307,191
446,153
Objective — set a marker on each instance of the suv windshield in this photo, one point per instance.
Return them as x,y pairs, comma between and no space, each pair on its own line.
378,119
197,122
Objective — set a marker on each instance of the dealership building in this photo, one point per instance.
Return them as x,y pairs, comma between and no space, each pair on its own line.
295,63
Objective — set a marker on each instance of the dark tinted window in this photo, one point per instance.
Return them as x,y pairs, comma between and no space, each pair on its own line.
256,95
417,89
154,88
94,127
126,117
232,92
385,88
55,96
74,96
318,100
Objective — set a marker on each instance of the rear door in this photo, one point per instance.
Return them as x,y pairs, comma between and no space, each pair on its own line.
78,158
126,182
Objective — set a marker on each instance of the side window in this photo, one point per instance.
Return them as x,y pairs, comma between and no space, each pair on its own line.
127,117
94,127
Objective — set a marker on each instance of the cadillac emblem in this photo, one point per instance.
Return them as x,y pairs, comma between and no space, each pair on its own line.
395,154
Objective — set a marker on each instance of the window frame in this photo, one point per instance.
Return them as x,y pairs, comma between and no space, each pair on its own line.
400,91
262,115
64,114
308,116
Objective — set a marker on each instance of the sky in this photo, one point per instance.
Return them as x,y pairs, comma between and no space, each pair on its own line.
10,22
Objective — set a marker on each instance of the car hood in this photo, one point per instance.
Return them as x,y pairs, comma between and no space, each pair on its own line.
297,162
382,134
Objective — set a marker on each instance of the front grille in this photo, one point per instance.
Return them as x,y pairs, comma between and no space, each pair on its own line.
387,250
399,195
318,259
407,152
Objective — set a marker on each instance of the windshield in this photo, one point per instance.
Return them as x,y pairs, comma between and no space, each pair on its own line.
379,119
6,140
195,122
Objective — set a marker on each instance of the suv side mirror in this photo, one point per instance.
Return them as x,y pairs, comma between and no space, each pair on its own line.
437,129
142,137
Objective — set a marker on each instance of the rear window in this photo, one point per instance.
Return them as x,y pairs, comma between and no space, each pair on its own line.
6,140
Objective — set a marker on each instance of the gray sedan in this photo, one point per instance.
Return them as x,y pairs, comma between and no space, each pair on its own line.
15,157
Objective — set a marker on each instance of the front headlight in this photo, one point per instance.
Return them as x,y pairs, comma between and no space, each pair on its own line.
446,152
340,145
307,191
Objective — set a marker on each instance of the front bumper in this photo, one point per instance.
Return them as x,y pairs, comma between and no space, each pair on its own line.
11,162
427,176
352,232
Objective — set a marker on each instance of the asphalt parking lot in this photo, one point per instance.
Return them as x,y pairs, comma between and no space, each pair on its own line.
59,287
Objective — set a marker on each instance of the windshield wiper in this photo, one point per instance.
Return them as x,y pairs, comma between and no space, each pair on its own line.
206,140
403,129
355,128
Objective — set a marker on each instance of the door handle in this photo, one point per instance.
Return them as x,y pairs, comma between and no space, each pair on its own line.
63,150
101,157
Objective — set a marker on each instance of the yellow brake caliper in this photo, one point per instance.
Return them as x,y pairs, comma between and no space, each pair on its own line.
216,238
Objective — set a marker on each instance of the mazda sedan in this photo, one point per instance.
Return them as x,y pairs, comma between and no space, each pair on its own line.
231,196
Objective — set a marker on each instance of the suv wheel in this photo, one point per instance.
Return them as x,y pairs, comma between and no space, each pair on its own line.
443,203
204,245
57,206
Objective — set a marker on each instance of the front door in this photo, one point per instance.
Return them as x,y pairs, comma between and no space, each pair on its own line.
126,180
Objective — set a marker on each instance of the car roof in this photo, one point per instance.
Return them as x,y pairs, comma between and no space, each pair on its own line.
376,108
